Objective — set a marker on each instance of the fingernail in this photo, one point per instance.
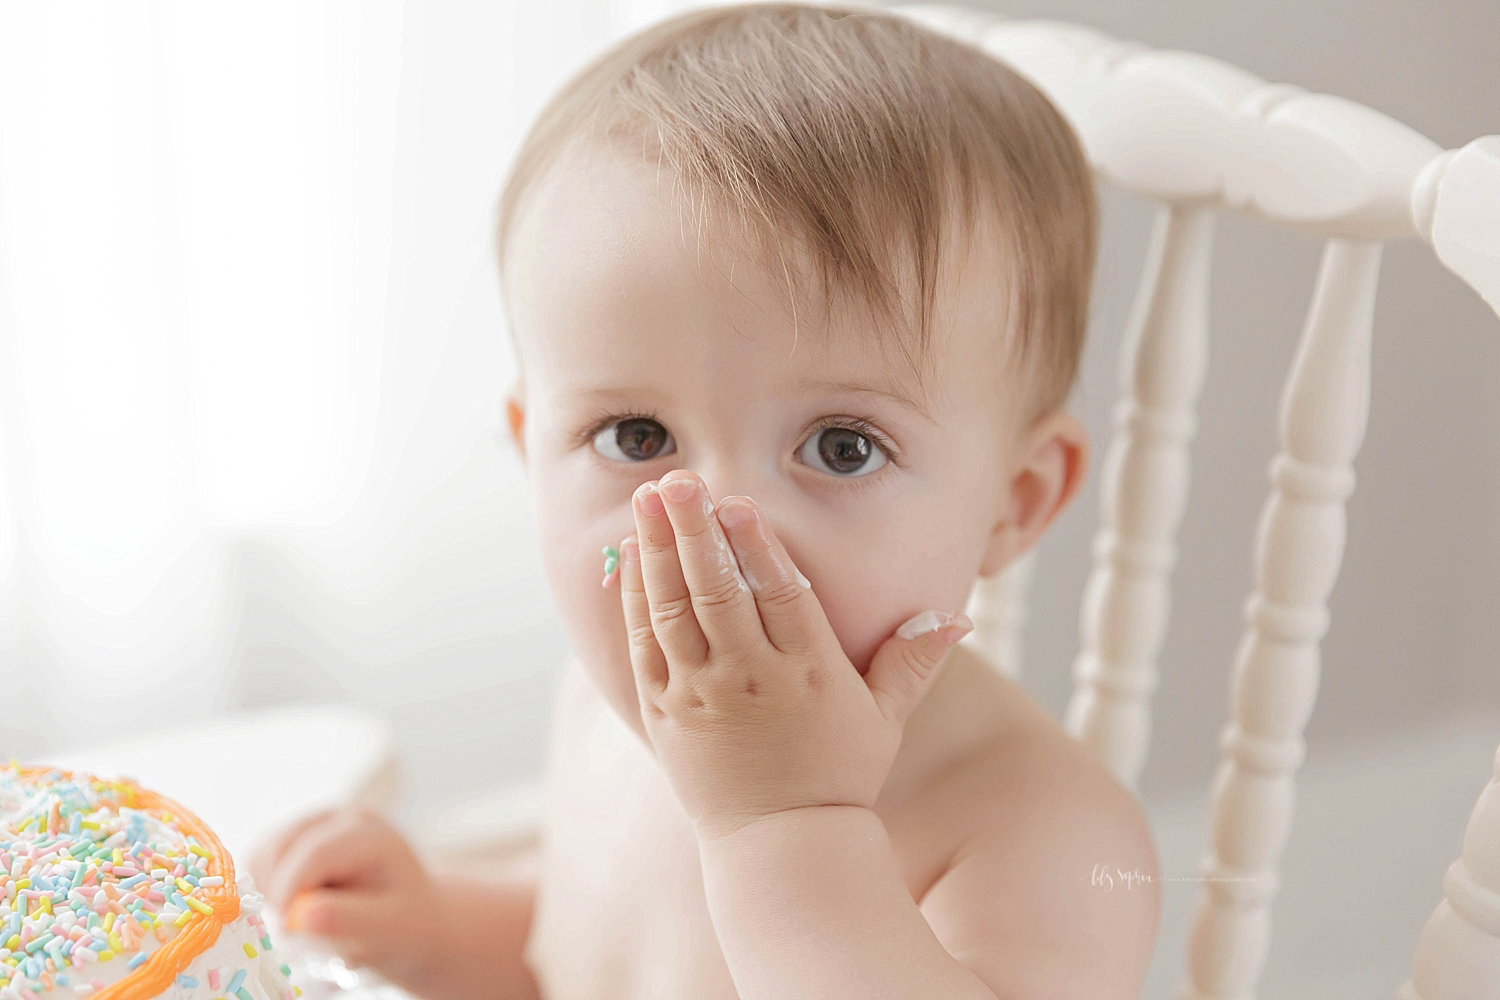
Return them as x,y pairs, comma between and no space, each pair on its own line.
802,579
630,549
960,628
931,621
647,498
738,513
680,489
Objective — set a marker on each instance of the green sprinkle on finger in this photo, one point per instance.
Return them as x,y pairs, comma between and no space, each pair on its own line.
611,561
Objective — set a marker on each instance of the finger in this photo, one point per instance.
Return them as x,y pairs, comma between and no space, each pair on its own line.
370,929
789,612
721,598
277,873
266,855
646,659
291,917
351,920
906,665
323,912
337,852
671,603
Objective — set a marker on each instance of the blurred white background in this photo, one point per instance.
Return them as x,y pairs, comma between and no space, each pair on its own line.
252,355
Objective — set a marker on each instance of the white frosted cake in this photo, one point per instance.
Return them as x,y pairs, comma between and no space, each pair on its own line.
111,891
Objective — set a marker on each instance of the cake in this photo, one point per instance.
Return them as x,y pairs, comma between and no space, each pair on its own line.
113,892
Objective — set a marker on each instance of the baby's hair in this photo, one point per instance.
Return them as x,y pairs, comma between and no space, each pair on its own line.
859,134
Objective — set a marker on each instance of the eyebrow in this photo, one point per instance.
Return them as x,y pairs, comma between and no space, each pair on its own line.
864,389
805,385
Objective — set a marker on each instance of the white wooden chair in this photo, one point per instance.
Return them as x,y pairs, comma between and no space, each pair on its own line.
1199,137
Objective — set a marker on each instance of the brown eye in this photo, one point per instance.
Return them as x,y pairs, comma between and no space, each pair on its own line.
637,439
843,451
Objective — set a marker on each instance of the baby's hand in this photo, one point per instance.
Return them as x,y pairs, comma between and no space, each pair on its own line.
349,876
748,699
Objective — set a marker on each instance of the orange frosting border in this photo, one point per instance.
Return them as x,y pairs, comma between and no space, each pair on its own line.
160,970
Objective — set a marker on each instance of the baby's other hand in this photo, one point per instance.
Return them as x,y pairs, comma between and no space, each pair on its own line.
349,876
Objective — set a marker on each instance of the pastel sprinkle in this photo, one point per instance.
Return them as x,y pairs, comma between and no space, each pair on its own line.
85,876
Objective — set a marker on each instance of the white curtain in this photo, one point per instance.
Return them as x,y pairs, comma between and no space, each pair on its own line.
251,359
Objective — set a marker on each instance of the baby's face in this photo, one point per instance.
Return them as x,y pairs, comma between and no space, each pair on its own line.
644,351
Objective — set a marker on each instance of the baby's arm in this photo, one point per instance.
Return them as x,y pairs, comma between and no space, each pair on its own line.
357,883
811,903
1056,895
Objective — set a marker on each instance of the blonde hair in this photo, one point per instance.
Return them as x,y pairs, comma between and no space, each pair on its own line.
852,130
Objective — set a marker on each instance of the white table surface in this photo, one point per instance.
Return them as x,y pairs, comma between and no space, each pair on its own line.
245,775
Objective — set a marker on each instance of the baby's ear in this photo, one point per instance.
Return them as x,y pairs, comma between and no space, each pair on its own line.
515,417
1053,460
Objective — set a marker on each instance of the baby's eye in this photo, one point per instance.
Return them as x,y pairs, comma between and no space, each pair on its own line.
843,451
634,439
846,447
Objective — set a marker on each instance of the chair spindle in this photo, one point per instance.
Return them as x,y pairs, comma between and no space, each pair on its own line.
1144,490
1299,546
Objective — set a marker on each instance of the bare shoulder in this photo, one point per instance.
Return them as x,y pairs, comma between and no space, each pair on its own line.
1057,861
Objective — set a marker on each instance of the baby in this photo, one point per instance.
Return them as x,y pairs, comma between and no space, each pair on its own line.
797,295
